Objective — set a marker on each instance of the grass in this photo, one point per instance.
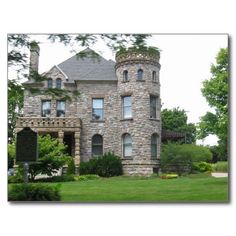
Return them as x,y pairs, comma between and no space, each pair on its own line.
193,188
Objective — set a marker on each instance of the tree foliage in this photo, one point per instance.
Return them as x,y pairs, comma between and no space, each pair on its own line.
176,120
215,90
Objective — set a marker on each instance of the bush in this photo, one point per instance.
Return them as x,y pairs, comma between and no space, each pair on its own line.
220,166
71,167
86,177
176,158
18,177
202,167
33,192
60,178
105,166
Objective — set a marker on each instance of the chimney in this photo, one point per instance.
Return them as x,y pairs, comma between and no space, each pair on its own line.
34,58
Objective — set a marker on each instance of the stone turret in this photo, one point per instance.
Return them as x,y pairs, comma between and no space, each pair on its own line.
34,58
137,71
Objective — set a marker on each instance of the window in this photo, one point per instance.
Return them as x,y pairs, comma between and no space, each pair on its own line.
140,74
49,83
153,107
97,145
97,112
46,108
127,145
61,105
154,145
125,76
127,107
154,76
58,83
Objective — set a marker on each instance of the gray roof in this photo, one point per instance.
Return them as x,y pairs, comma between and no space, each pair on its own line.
88,67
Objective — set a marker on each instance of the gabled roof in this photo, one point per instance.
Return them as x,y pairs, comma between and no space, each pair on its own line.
86,66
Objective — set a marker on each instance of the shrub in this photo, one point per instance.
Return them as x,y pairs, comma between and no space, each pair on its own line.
105,166
220,166
86,177
18,177
71,167
33,192
175,161
179,159
60,178
202,167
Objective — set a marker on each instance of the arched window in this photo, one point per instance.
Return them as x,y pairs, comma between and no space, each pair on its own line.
58,83
97,145
154,138
127,146
49,83
125,76
140,74
154,76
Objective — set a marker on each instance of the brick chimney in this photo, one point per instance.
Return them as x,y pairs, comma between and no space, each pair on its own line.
34,58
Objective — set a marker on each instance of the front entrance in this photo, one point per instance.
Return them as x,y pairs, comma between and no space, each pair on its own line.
69,141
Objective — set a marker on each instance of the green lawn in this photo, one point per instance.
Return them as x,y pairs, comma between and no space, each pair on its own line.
193,188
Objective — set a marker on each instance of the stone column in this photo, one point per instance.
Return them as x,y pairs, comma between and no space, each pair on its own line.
77,148
60,136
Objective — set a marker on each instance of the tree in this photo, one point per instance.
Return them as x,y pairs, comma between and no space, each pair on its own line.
215,90
176,120
52,156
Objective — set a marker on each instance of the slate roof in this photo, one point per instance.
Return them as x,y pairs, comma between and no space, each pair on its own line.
88,67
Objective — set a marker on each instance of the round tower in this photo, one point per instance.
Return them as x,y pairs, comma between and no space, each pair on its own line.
139,126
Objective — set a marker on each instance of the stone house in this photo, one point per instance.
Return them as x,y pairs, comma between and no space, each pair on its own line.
117,109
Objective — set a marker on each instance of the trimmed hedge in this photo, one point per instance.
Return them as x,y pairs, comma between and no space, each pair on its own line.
33,192
59,178
107,165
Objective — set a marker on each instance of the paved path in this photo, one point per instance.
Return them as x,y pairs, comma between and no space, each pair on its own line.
219,175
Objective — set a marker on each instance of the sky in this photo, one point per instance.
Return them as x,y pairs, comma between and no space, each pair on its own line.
185,63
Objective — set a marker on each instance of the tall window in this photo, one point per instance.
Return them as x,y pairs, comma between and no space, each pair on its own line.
125,76
58,83
49,83
154,76
61,107
153,107
127,145
97,145
127,107
140,74
154,138
46,108
97,112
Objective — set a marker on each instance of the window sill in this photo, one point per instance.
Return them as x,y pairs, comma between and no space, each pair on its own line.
127,119
140,80
155,82
97,121
125,81
126,158
155,119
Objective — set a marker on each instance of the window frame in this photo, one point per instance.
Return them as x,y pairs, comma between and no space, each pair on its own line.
49,81
126,106
125,76
57,80
140,76
57,102
153,115
42,110
100,109
94,145
125,145
154,145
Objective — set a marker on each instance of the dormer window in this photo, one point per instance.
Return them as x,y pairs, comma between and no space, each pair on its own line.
140,74
49,83
125,76
58,83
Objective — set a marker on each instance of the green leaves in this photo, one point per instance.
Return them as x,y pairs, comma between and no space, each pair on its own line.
215,90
